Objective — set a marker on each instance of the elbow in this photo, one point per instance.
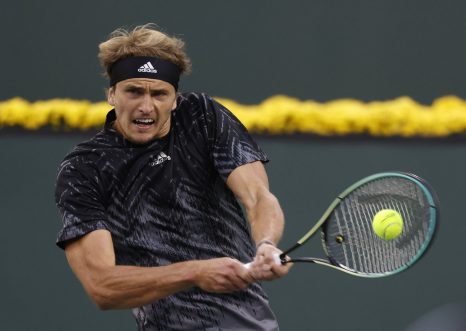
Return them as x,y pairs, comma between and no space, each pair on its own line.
102,298
104,305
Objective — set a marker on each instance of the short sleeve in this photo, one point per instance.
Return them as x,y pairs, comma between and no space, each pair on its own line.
79,201
231,143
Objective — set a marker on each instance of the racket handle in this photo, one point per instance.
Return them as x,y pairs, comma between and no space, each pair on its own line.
276,258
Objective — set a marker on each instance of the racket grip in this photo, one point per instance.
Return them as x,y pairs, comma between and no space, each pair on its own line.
276,258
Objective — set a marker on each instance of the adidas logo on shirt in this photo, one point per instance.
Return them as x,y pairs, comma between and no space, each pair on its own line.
148,67
162,157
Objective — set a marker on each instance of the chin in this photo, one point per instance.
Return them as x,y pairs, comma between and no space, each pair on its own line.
140,139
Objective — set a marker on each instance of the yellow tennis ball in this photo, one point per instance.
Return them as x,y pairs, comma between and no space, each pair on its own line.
387,224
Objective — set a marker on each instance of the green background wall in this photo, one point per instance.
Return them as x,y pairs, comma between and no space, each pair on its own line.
40,293
247,51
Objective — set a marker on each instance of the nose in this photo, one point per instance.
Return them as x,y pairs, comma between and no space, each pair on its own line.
147,106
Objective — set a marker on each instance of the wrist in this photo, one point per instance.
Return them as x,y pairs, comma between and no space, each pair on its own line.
193,272
264,242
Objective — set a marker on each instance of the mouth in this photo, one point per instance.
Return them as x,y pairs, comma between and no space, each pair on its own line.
143,123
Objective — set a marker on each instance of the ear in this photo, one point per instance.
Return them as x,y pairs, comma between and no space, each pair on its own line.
111,96
174,105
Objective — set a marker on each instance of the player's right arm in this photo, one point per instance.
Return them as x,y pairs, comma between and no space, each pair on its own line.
111,286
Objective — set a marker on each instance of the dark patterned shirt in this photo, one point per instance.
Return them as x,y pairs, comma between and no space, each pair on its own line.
167,201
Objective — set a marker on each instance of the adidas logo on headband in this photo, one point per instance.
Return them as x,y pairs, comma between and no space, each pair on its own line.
148,67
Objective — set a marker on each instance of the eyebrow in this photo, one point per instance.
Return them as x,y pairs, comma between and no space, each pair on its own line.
141,88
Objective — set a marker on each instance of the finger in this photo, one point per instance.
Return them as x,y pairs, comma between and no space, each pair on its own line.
241,276
227,284
261,263
247,279
247,273
282,269
268,275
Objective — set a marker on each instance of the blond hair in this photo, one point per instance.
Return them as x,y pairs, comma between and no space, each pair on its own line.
143,40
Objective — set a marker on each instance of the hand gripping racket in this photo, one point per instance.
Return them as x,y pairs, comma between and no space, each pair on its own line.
347,234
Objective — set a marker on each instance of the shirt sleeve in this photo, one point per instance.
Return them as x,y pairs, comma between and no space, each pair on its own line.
230,142
79,201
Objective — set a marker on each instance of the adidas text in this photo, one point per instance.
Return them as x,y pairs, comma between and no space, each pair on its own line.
148,67
162,157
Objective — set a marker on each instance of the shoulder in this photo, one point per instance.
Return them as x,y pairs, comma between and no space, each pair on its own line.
198,101
192,105
78,174
194,110
84,156
201,106
188,99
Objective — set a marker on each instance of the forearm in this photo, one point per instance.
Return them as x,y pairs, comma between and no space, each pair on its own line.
250,184
117,287
112,286
266,218
267,223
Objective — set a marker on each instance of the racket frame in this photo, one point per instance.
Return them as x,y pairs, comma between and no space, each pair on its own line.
433,224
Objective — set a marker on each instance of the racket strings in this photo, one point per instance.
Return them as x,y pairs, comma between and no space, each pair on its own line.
361,249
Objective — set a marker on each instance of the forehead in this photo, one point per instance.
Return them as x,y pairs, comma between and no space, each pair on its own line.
146,83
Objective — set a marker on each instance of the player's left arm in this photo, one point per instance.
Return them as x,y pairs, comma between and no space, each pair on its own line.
250,184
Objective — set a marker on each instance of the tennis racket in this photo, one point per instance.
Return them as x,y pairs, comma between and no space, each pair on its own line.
348,239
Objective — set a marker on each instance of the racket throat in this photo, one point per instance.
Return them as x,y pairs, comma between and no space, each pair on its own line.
283,255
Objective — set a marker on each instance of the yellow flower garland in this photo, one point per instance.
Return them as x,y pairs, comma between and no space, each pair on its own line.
276,115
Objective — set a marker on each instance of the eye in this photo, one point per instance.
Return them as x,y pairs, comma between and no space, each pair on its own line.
159,93
134,91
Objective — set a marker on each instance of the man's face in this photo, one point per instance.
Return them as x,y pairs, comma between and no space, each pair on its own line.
143,108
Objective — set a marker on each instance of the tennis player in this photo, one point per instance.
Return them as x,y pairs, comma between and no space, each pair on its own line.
151,219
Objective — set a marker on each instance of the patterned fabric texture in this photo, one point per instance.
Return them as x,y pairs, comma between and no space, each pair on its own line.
167,201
